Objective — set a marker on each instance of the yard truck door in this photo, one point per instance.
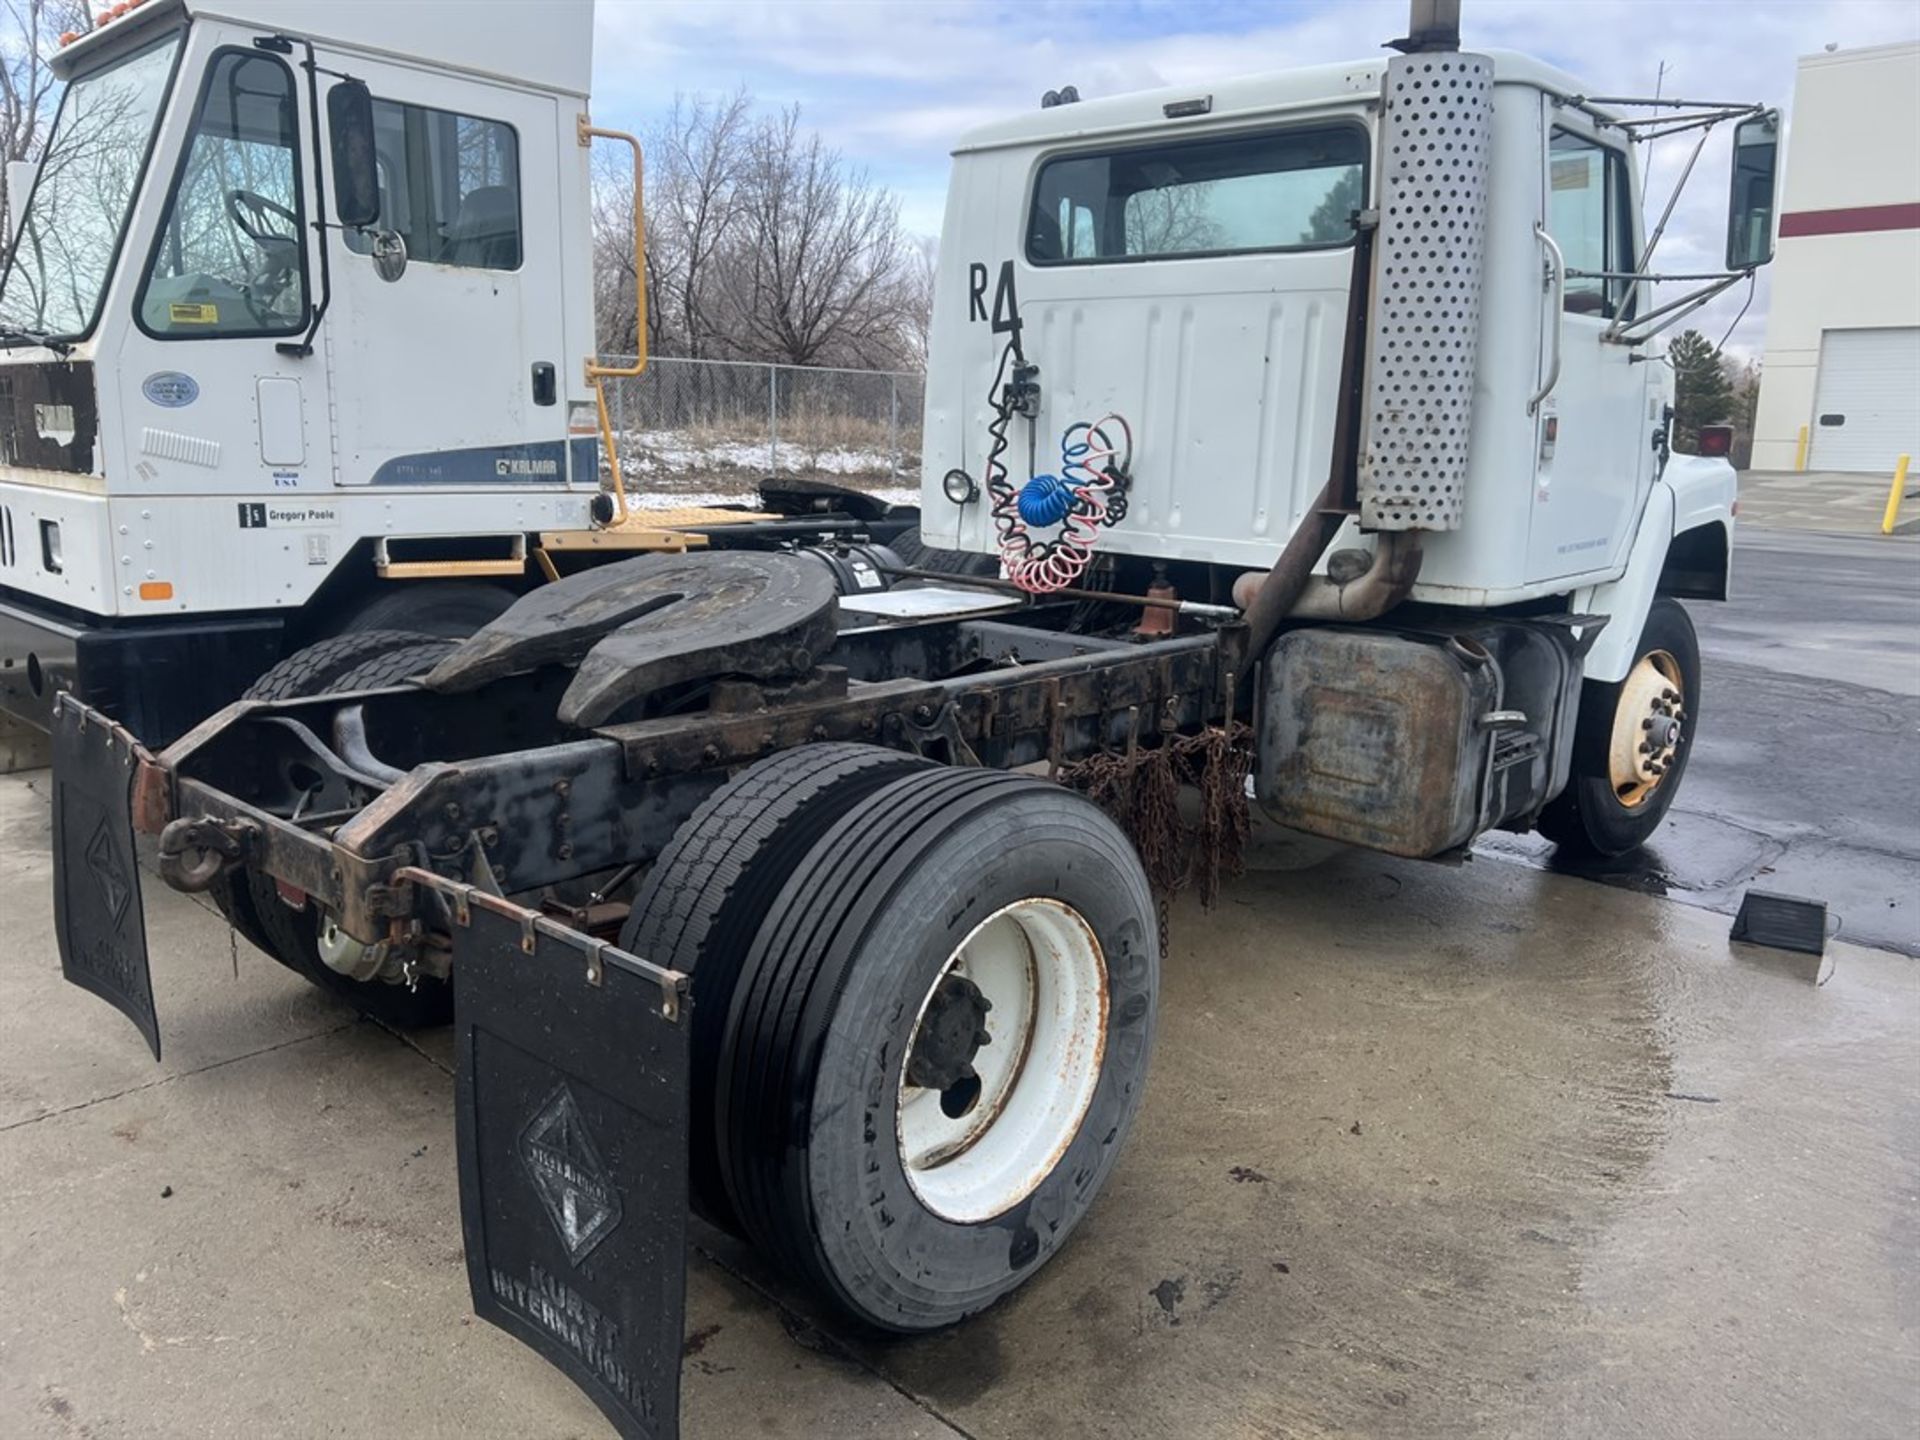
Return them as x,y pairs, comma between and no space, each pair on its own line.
1593,432
451,374
212,407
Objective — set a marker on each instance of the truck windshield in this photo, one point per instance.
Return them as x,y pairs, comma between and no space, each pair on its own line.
80,200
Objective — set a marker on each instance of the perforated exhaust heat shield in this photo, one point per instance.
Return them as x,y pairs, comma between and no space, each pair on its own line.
1436,142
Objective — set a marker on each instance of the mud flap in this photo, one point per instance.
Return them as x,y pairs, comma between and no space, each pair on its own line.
572,1130
97,915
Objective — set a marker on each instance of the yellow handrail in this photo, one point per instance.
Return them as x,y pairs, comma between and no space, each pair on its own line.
597,373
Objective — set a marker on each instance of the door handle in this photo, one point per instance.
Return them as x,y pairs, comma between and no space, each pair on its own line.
544,389
1556,282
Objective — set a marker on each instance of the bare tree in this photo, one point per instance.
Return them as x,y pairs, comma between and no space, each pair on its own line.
814,276
1172,219
762,244
696,208
923,264
29,29
614,263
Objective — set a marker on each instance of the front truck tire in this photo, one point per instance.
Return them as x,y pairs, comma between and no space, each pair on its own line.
1631,743
447,609
871,1144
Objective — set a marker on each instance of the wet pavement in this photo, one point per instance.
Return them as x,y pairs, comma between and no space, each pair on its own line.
1805,777
1426,1152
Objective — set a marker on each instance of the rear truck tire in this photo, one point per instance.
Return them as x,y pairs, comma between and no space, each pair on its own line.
364,660
916,554
1631,743
872,1145
451,609
706,895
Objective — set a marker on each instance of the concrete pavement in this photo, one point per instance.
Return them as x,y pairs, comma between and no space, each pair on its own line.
1825,500
1426,1152
1805,776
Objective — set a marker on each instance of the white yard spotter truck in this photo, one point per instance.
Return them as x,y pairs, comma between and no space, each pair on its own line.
239,413
1298,439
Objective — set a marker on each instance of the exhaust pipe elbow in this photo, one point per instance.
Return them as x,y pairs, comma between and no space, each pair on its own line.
1376,590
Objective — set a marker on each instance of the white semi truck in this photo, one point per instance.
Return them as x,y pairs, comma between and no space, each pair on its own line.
240,413
1298,439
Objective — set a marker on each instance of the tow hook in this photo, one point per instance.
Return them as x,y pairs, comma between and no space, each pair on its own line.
195,852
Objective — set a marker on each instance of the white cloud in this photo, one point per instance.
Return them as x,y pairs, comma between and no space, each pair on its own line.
892,84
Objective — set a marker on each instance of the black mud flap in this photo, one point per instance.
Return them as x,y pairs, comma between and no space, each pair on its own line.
97,915
572,1127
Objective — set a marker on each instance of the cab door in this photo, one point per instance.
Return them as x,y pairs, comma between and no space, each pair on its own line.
450,374
214,404
1594,454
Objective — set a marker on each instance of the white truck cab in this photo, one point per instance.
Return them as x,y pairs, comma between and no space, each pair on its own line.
1184,258
222,408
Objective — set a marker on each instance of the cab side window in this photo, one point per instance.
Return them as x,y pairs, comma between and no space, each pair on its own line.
1590,216
449,185
230,258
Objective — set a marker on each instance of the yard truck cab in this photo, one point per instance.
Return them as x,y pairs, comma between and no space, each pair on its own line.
294,339
1295,441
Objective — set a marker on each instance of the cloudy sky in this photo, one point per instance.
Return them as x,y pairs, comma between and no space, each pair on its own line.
892,82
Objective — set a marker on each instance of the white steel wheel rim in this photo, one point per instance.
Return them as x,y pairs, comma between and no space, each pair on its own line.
1040,965
1649,727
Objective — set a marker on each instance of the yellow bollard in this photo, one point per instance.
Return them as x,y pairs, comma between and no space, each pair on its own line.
1800,451
1892,517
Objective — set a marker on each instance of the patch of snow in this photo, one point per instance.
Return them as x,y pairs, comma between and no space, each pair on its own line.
648,452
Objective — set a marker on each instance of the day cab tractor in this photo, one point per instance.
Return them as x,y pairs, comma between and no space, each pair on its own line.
1297,448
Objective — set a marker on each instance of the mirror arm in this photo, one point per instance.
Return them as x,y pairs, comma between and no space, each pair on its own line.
304,346
1646,253
1675,310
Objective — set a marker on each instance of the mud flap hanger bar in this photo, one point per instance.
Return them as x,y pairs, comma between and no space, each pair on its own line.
459,899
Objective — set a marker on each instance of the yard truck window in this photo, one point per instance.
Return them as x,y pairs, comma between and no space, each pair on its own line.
230,257
449,187
71,231
1590,216
1289,189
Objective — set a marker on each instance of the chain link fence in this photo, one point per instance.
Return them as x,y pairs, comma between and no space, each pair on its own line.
691,431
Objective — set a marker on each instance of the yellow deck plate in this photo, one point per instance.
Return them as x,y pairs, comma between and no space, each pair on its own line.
673,530
689,515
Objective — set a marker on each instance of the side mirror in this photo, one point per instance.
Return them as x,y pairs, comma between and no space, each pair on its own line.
356,172
1756,149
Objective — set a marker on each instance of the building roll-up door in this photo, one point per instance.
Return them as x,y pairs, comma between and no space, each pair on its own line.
1866,411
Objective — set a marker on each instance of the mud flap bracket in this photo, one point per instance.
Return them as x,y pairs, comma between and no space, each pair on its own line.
571,1120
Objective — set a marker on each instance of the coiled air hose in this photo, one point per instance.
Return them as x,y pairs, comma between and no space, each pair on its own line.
1087,495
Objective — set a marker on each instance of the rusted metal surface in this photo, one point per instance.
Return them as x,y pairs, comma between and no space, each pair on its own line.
1375,740
195,851
152,797
639,625
552,809
1381,581
1338,498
